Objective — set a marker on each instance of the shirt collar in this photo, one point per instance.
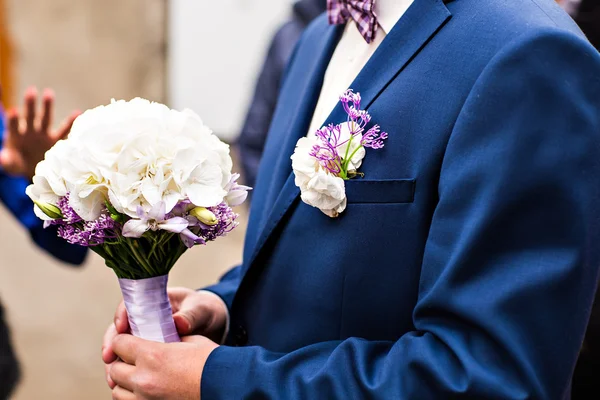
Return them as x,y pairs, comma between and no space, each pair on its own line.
390,11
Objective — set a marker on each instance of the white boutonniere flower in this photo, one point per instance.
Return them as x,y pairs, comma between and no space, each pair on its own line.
324,160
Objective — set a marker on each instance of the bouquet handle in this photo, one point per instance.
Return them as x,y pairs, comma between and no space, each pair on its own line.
149,309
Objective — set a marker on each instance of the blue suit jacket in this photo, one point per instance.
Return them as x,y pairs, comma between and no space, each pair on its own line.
12,194
467,259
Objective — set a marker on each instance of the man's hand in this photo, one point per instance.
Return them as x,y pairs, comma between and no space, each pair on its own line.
30,135
152,370
195,313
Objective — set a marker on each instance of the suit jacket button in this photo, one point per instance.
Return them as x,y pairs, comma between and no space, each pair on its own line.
240,338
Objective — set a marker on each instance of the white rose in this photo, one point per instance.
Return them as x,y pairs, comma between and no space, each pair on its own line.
305,167
326,192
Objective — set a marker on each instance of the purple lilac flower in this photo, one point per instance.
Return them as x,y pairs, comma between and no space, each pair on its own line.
374,138
326,151
70,216
90,233
75,230
351,103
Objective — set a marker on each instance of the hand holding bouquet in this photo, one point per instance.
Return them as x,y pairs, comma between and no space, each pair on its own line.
139,184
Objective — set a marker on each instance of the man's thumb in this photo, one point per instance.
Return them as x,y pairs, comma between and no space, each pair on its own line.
187,322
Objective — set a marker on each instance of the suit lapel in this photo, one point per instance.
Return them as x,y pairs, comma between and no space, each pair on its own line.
420,22
300,114
292,117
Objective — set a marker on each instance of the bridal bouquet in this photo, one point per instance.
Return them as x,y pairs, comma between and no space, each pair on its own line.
139,184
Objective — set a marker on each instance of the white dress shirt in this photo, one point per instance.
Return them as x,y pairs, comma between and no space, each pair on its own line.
351,55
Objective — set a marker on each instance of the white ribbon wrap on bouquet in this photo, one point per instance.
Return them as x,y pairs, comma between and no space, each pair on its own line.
149,309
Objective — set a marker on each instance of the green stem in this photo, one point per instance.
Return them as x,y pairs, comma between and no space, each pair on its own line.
143,263
352,155
348,149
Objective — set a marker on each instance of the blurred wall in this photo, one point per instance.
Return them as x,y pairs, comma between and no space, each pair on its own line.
215,51
90,51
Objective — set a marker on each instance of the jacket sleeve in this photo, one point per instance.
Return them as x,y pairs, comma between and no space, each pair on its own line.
227,286
12,194
511,262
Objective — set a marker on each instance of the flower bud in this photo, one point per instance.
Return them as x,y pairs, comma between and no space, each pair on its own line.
49,209
204,215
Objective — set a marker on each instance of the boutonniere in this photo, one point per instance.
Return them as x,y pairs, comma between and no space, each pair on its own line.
323,160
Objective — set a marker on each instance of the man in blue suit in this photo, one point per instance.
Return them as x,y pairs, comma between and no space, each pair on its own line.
466,261
23,144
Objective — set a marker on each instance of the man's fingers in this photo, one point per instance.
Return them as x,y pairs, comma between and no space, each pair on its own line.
128,347
111,383
182,324
119,393
47,110
65,128
12,123
122,375
30,100
108,355
121,320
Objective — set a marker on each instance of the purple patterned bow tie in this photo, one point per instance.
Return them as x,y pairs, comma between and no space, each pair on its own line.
361,11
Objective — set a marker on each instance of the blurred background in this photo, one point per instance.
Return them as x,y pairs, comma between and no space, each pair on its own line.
198,54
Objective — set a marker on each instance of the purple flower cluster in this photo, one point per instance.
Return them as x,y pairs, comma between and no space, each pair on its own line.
69,215
374,138
326,151
329,137
90,233
200,233
75,230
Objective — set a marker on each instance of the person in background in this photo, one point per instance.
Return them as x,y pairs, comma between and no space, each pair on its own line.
586,382
258,119
26,137
587,16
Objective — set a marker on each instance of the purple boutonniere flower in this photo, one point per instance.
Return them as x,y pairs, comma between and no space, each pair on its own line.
324,160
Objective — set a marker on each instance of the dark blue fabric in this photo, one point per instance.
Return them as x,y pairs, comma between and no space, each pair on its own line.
12,194
480,284
253,135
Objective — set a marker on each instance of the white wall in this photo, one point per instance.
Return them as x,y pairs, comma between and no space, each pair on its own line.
216,48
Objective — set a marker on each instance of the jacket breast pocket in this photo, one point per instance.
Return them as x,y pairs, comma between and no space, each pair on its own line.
387,191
